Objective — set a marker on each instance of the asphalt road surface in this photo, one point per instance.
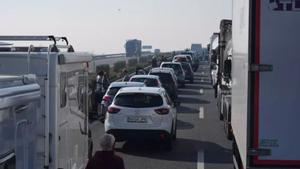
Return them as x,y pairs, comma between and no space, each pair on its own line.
201,142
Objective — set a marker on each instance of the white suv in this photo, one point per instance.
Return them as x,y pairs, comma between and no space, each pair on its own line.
142,113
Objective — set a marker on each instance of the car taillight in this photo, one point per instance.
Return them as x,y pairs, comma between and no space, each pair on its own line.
162,111
113,110
106,98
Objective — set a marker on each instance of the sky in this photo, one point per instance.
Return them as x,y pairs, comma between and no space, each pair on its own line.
103,26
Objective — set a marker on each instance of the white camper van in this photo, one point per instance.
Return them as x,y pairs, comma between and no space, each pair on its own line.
19,132
63,79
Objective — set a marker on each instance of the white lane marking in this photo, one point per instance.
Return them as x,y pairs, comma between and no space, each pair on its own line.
201,91
201,113
200,159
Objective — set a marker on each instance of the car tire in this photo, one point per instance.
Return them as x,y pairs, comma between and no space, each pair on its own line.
168,144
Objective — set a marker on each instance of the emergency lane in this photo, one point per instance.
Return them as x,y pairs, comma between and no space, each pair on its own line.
201,142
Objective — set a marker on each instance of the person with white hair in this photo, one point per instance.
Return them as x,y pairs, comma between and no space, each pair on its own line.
106,157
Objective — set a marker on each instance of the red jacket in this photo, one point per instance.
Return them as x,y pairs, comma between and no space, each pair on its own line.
105,160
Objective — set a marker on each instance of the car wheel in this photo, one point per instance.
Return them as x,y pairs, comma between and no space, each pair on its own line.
168,144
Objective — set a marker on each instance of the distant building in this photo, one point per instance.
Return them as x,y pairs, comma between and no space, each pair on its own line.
197,48
157,51
133,48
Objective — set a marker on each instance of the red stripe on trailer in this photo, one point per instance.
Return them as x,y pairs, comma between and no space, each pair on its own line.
256,160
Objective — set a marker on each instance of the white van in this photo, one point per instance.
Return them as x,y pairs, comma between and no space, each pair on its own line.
19,99
63,79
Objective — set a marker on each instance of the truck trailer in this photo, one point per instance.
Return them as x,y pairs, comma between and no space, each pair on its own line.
265,84
62,140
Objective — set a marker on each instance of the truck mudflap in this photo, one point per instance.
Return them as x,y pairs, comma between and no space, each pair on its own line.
275,69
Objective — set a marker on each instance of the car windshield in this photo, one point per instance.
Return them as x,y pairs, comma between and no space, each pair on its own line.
164,77
113,90
138,100
176,67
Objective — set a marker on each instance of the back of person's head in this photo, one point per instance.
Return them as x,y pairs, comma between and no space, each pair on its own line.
101,73
107,142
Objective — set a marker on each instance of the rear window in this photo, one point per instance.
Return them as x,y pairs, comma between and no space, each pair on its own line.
164,77
148,81
176,67
138,100
181,59
186,66
113,90
138,80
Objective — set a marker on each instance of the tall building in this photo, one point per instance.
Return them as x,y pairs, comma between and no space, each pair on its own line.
133,48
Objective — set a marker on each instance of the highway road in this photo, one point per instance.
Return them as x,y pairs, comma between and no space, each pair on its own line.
201,142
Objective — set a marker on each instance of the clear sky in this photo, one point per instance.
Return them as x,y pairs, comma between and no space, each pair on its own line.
103,26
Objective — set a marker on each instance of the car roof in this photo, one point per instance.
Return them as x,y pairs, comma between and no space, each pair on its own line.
181,55
176,63
126,84
161,70
145,76
152,90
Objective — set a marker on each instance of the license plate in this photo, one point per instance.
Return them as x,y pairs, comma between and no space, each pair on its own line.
136,119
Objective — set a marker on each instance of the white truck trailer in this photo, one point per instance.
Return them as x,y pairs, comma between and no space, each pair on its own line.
265,84
62,141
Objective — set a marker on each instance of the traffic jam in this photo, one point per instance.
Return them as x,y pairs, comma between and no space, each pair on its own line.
145,106
230,104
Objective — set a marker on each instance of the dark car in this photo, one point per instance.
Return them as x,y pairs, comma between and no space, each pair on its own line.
189,74
167,81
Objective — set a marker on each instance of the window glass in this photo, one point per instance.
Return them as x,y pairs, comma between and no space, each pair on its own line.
138,100
164,77
176,67
81,93
113,90
138,80
7,131
63,93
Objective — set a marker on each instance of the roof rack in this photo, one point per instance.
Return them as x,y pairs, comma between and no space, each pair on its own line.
51,48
